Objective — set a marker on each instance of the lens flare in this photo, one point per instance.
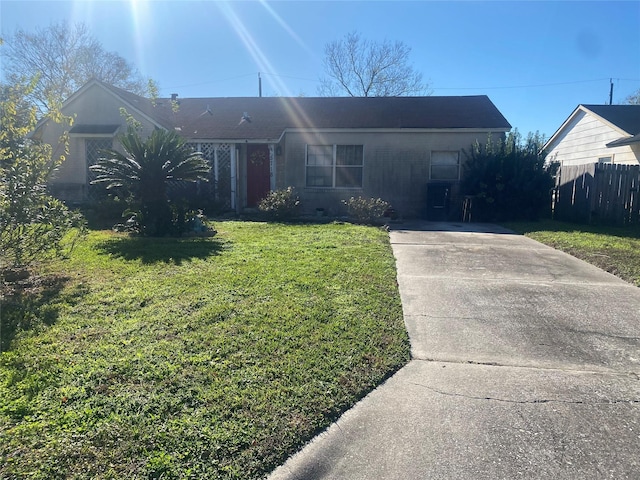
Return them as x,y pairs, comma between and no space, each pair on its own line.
139,11
294,110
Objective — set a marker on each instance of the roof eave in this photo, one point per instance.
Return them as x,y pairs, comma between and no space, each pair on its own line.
621,142
503,129
563,126
46,119
232,140
150,119
274,140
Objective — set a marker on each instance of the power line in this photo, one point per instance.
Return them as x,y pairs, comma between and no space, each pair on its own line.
522,86
291,76
503,87
220,80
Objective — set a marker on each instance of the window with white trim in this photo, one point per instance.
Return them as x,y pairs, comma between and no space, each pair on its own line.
334,166
605,160
445,165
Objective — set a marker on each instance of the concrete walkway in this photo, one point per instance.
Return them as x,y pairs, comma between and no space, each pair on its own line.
525,364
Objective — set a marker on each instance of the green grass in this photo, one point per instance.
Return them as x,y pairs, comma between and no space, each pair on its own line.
194,358
614,249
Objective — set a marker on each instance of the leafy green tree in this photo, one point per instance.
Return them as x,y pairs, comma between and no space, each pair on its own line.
32,223
143,173
509,180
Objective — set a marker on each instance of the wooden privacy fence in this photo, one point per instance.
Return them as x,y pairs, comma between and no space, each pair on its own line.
598,193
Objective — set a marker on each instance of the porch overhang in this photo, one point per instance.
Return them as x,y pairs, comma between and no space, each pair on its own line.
84,129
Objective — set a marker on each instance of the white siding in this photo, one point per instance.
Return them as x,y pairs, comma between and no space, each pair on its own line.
584,141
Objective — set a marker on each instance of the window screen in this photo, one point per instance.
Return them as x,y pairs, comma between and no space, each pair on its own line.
445,166
335,166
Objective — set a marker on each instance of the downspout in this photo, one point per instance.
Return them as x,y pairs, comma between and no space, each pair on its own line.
272,167
234,179
216,168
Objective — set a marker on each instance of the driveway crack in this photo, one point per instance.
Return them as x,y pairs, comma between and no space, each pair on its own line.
616,373
528,402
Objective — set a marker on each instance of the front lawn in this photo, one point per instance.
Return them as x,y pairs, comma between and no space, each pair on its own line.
194,358
614,249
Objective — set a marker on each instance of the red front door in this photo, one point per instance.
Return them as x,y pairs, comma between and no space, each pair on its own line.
258,173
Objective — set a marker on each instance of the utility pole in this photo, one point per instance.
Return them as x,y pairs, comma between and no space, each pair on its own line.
259,85
611,91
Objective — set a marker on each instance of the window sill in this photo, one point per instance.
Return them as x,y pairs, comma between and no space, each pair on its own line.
333,189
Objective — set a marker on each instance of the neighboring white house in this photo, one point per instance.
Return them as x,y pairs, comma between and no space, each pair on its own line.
597,134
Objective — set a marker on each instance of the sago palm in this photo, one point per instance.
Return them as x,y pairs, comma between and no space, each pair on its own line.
144,169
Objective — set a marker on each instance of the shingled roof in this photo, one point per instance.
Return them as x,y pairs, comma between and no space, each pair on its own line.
267,118
625,117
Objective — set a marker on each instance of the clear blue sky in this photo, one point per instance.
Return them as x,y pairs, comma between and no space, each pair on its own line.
536,60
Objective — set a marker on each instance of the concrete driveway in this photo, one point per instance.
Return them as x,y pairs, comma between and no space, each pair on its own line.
525,364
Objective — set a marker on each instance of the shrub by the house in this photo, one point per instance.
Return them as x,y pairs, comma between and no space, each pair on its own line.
366,210
280,204
509,180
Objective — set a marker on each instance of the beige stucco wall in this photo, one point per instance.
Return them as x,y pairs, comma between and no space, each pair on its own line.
584,140
95,106
396,162
396,165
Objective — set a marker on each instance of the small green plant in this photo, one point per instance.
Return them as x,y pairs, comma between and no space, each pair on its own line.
280,204
366,210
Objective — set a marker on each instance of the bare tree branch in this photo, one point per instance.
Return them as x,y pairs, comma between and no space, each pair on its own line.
361,68
633,99
64,58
